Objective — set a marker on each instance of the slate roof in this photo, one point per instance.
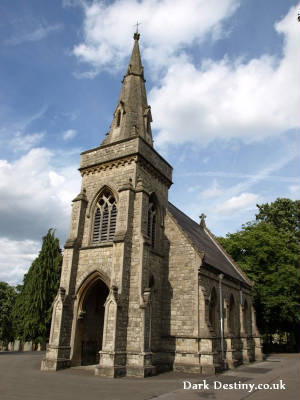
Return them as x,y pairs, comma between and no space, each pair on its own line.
204,241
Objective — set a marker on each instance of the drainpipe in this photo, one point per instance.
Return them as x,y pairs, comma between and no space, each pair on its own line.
148,303
241,297
150,322
221,276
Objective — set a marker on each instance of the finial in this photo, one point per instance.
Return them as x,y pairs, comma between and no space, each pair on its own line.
202,220
136,35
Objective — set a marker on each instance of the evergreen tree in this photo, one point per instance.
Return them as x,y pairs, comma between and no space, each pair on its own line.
7,299
32,311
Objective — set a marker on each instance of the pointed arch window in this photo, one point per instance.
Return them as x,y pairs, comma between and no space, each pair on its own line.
212,311
148,125
147,119
118,118
232,315
151,228
105,218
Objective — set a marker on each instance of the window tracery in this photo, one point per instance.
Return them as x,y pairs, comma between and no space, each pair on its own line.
105,218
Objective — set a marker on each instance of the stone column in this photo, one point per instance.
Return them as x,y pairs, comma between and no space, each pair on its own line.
112,361
244,338
226,317
207,351
229,348
258,354
58,349
139,356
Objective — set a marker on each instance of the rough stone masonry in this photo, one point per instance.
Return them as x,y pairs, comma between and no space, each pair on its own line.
144,288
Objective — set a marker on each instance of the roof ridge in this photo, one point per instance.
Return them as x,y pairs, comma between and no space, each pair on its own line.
228,256
186,235
194,235
192,220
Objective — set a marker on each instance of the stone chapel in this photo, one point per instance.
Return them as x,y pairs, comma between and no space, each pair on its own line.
144,288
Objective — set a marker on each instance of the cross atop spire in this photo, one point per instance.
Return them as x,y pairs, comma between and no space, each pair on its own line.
132,116
137,26
136,35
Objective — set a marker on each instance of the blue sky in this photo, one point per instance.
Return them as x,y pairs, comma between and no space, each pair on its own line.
222,81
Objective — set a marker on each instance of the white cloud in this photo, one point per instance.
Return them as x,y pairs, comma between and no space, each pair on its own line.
214,191
230,99
16,257
265,175
21,142
223,99
238,203
39,33
167,26
69,134
13,134
55,179
36,195
289,154
294,191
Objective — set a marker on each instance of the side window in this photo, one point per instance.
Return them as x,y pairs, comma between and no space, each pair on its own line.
151,228
232,315
105,218
212,313
118,118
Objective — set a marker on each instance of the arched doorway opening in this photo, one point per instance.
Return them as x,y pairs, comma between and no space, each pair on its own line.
90,323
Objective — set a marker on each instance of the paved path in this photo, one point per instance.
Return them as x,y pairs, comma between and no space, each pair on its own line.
21,379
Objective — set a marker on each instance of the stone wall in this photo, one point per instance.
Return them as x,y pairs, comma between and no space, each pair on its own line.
180,307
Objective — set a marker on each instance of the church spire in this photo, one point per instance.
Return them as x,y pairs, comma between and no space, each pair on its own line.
132,116
135,64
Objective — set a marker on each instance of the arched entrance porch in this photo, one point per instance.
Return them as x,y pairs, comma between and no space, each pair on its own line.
90,321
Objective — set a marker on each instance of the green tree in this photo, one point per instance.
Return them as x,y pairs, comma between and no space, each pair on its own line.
268,251
7,299
283,214
32,310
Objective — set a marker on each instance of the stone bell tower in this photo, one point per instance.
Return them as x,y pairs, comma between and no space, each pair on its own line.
107,311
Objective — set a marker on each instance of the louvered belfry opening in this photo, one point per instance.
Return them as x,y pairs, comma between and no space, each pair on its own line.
151,221
105,218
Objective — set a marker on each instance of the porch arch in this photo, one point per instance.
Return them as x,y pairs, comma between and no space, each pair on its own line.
92,295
